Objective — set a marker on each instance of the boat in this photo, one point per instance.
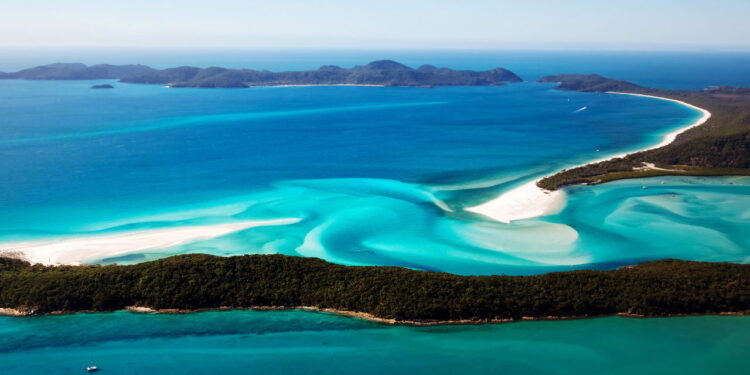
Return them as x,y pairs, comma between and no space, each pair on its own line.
92,369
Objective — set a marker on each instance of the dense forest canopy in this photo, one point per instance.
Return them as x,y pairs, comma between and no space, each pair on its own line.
204,281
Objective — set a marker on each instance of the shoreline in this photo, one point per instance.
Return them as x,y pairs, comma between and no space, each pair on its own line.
528,200
396,295
79,249
671,136
10,312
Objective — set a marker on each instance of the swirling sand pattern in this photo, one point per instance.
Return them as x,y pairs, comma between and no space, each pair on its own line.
361,176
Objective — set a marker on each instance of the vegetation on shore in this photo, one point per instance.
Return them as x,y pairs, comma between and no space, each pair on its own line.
660,288
721,146
600,173
382,72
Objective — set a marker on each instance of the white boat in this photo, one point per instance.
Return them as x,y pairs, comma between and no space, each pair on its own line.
92,369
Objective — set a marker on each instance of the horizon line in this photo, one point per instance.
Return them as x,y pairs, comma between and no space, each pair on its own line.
394,48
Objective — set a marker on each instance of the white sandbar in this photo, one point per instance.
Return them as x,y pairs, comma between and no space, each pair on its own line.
528,200
77,250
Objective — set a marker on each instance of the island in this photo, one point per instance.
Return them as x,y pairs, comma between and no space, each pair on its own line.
376,73
387,294
105,86
720,146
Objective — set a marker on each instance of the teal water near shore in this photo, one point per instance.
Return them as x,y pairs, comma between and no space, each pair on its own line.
294,342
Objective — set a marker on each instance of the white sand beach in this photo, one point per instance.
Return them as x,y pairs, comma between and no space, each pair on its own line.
529,201
78,250
524,202
670,137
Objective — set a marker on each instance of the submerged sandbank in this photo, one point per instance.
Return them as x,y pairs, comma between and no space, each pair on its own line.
529,200
80,249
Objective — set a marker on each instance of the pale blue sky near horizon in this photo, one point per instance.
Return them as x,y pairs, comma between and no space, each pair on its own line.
719,25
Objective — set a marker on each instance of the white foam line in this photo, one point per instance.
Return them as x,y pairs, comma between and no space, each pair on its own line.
529,200
77,250
670,137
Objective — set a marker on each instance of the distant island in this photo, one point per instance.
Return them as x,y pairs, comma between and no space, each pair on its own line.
387,294
719,147
376,73
102,87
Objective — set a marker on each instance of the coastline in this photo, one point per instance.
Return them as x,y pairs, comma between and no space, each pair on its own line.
179,284
671,136
77,250
10,312
529,200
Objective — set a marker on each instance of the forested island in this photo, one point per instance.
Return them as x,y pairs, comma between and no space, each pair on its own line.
376,73
719,147
396,295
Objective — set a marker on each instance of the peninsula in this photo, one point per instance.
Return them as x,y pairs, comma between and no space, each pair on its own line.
388,294
719,145
376,73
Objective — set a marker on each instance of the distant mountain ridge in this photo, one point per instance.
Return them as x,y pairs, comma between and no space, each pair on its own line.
591,83
381,72
76,71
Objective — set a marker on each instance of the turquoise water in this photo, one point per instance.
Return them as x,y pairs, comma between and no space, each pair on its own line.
376,176
674,217
292,342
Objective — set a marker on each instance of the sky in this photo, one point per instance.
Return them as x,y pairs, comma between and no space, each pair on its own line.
420,24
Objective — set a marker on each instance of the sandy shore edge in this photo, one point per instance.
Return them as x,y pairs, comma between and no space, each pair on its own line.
529,200
362,315
79,249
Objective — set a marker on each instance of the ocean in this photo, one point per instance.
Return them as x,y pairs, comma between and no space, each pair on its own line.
370,176
295,342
